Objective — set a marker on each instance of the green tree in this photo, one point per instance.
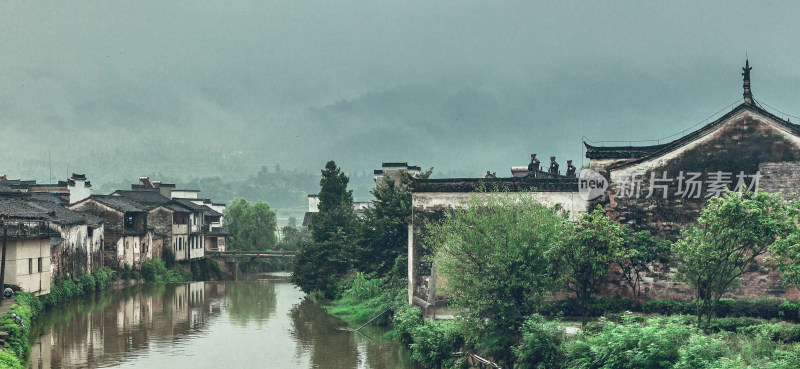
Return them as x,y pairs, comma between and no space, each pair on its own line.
642,251
492,258
383,235
251,225
292,238
320,263
333,188
731,232
583,258
786,250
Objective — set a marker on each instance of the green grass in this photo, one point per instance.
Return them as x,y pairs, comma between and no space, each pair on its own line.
356,311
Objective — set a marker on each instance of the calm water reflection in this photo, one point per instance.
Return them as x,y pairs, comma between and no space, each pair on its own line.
251,324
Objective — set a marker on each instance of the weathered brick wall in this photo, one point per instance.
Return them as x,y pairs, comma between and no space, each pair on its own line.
781,177
747,143
743,144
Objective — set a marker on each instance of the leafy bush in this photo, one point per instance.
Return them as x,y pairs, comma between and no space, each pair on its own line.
103,277
664,307
731,324
26,308
154,270
789,310
8,360
406,319
775,332
87,283
435,343
701,352
362,288
655,344
596,307
540,346
66,289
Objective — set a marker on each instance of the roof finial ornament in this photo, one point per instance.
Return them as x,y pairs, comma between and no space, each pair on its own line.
748,95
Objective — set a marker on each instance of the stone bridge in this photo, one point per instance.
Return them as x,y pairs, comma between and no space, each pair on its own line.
232,259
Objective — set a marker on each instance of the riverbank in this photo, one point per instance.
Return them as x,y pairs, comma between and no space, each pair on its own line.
206,325
20,317
662,334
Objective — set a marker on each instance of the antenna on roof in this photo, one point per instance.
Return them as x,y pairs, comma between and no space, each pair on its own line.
50,164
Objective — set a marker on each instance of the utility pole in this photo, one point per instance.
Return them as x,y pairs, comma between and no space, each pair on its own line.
3,262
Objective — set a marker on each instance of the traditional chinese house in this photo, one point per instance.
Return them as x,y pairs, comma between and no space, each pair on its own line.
660,188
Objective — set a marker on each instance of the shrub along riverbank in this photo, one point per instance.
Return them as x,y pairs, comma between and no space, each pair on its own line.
661,334
27,306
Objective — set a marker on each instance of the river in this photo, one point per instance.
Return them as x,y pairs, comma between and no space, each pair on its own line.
266,323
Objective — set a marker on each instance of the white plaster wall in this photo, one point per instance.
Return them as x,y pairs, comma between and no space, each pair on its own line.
362,205
97,244
129,249
313,204
571,201
182,194
198,249
79,191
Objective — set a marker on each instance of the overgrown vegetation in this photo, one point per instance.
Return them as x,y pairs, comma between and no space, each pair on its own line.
503,258
156,271
730,234
65,289
27,306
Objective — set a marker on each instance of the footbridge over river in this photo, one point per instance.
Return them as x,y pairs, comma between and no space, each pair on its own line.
232,259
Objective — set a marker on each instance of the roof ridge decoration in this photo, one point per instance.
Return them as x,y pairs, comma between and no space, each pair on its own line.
748,94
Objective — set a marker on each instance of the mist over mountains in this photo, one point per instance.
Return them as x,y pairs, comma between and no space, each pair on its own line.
182,91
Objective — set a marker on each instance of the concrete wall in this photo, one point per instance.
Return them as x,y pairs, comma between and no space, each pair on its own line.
23,258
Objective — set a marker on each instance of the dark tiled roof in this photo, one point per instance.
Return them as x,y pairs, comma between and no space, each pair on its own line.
120,203
394,165
513,184
640,153
211,212
44,206
620,152
19,206
189,204
176,208
149,199
6,189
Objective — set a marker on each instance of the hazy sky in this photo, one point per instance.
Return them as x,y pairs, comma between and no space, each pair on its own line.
460,85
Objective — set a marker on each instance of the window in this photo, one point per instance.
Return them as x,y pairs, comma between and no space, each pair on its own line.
40,265
30,266
128,223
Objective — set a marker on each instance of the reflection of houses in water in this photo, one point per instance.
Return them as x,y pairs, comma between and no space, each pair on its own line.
129,322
